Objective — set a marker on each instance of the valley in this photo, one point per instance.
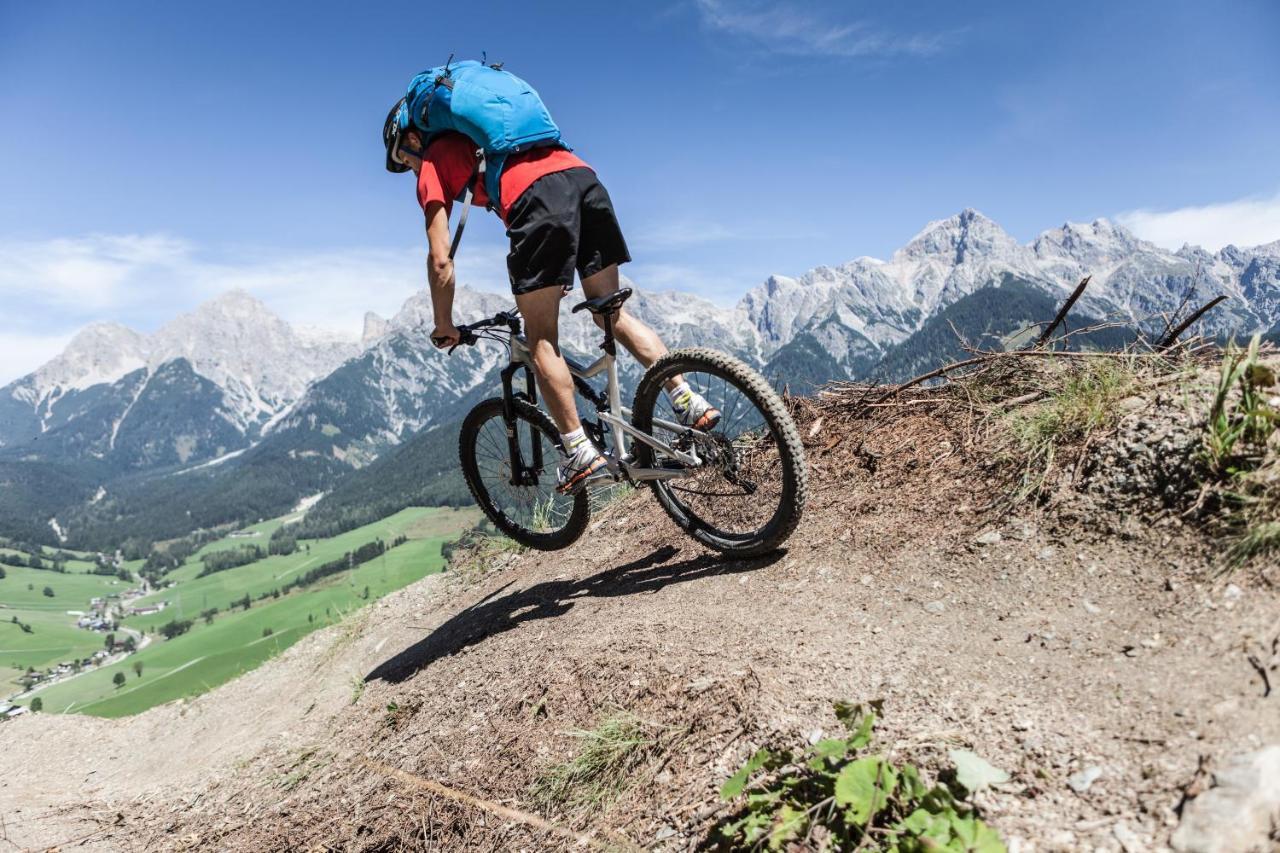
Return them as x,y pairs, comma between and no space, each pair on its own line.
202,631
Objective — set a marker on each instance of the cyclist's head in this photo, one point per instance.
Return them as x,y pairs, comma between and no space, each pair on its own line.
400,137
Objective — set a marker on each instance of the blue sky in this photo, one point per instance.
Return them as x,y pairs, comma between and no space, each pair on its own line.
153,154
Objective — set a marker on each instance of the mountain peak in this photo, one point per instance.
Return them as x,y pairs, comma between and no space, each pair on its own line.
375,326
958,237
236,302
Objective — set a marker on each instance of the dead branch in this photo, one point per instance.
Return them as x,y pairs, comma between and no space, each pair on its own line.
1186,324
1062,312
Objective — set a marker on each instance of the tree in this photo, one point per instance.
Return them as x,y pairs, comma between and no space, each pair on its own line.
109,642
130,644
267,632
137,668
37,704
118,680
175,628
1,573
48,592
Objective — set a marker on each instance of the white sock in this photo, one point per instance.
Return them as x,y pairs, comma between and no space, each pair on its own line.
570,440
677,395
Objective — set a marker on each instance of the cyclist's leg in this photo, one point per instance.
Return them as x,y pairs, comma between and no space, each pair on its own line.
632,332
541,312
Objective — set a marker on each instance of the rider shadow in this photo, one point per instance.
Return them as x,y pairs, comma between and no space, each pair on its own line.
491,616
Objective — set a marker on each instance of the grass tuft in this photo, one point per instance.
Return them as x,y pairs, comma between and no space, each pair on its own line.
1081,401
1238,453
601,769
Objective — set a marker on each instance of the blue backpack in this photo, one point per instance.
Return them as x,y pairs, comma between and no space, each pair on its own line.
497,110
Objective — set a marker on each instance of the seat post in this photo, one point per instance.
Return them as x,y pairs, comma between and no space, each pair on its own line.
608,345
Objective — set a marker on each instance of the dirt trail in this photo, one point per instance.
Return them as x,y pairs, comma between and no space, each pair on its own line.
1081,640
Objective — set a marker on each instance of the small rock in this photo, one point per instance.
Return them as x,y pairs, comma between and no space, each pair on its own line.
1232,593
1082,781
865,580
815,736
1238,811
1090,607
1022,530
1022,725
665,832
935,607
1046,553
1129,840
701,685
1132,404
989,537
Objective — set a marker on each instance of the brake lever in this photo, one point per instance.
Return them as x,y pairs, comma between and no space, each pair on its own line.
465,336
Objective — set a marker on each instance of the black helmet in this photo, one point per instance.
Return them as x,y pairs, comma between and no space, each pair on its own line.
396,124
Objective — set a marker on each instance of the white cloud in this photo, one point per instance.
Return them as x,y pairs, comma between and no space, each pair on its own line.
1245,222
791,29
21,353
84,273
146,279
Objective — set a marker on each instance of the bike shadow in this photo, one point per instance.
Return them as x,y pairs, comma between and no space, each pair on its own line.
493,615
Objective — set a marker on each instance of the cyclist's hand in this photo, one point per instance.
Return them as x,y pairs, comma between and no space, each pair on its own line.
445,336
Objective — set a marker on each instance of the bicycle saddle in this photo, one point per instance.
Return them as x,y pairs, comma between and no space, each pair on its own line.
606,304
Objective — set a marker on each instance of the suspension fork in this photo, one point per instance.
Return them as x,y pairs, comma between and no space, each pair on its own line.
520,475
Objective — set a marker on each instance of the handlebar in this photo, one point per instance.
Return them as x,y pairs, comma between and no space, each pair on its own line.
468,337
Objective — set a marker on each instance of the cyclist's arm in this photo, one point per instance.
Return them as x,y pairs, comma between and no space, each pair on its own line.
440,271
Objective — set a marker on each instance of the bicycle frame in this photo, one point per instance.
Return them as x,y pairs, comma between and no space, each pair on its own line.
609,410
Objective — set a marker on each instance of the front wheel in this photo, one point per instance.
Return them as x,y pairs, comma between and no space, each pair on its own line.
748,495
513,478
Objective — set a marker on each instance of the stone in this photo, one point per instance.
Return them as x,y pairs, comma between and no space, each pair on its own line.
989,537
1091,608
1046,553
935,607
1238,811
1129,840
1083,781
664,832
1132,404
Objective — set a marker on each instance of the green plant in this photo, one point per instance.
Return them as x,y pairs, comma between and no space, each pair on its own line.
1238,455
600,771
1081,399
357,688
837,796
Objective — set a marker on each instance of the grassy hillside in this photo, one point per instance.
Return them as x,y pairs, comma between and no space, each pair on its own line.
54,636
237,640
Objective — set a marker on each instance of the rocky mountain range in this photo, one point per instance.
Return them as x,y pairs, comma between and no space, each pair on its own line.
132,427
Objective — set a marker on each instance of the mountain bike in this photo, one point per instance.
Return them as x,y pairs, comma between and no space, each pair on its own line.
738,488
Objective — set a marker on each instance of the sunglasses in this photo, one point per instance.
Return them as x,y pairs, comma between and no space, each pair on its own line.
398,150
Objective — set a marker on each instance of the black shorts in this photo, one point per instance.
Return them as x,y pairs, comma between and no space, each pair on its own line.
563,222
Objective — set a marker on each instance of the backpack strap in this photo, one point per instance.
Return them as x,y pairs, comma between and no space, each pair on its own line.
467,195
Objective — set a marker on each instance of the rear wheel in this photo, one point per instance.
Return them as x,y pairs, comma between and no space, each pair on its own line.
530,510
749,493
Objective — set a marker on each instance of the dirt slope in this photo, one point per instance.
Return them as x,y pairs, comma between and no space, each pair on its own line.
1085,637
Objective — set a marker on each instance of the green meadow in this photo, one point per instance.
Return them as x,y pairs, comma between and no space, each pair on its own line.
237,640
54,636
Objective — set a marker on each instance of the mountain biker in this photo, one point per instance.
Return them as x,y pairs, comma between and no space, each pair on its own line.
559,219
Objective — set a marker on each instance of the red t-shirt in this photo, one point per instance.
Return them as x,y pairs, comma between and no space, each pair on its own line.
451,158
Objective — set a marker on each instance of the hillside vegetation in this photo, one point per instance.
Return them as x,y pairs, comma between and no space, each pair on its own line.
972,635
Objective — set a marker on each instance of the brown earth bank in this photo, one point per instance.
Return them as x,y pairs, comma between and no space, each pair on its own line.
1084,640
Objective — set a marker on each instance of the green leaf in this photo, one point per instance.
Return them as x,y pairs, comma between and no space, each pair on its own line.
987,840
864,786
733,787
974,772
788,824
828,749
